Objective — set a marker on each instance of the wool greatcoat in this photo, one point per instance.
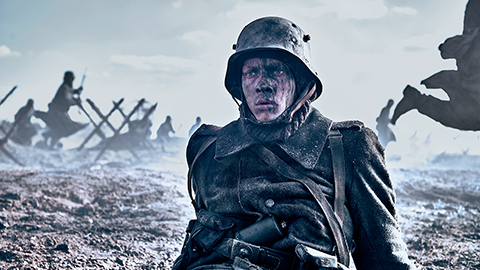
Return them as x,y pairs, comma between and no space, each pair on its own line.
232,181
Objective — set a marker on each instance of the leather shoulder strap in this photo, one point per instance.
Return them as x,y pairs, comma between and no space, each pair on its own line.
338,160
287,171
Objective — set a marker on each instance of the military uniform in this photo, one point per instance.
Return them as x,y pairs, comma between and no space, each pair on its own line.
253,213
231,181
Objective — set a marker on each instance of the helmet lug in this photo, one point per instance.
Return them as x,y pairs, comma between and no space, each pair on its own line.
277,38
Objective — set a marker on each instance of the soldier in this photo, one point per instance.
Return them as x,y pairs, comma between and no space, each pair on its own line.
461,85
163,132
195,126
265,183
25,130
57,119
385,134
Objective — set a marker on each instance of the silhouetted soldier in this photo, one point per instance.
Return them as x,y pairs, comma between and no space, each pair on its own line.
461,85
163,132
57,119
385,134
195,126
25,130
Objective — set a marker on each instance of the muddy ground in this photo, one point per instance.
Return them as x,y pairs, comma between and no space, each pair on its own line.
439,216
115,214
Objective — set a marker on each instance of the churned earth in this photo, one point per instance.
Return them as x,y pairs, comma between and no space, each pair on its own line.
65,211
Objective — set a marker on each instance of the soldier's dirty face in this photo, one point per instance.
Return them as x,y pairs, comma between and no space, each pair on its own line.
268,86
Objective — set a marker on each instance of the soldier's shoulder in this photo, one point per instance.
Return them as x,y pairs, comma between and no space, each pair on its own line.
358,136
198,138
206,130
354,129
350,124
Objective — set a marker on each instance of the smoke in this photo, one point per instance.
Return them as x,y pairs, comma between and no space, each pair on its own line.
427,143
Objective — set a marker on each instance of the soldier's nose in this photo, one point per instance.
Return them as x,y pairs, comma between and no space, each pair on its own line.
265,89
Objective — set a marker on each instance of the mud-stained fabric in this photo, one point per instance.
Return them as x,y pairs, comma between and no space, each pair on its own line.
231,181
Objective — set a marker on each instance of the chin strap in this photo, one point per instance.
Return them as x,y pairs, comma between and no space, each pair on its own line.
307,94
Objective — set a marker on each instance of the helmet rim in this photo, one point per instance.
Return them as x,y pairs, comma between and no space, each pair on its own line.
277,38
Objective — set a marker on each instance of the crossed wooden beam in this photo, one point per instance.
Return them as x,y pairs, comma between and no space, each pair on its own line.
144,118
9,133
116,136
97,129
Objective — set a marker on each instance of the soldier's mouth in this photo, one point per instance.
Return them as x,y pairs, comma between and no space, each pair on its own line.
265,104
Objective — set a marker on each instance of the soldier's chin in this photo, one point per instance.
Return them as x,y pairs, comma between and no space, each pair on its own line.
266,116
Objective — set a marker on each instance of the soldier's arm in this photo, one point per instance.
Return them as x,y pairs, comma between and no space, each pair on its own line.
371,198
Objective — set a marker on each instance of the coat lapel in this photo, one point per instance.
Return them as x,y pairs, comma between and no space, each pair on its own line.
232,139
305,146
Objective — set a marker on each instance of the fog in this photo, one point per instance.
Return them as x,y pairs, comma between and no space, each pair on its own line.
174,53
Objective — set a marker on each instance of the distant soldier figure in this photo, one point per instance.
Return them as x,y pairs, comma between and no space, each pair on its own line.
163,132
385,134
57,119
195,126
165,128
25,130
461,85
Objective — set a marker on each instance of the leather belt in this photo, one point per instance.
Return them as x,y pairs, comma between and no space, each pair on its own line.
262,256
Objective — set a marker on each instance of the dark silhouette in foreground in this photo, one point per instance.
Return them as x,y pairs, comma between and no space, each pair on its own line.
462,86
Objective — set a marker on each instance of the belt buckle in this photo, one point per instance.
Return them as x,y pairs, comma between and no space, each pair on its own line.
245,250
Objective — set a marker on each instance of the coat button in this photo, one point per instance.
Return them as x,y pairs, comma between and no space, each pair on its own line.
243,253
269,203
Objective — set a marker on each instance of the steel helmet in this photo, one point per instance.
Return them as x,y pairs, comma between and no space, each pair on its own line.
273,37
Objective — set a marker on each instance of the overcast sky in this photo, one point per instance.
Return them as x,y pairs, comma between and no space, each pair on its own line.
175,53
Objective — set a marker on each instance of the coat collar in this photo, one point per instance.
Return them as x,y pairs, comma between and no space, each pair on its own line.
305,145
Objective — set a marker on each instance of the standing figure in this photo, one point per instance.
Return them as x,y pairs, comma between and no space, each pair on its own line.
195,126
284,187
385,134
163,132
461,111
58,121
